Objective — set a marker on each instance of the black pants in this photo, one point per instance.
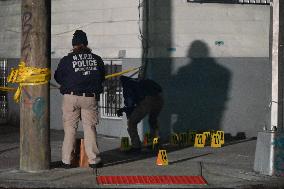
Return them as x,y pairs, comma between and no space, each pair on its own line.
150,105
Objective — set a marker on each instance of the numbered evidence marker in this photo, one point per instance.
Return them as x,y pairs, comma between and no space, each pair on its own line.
124,145
222,136
199,141
174,140
183,138
215,141
162,158
155,145
207,137
191,137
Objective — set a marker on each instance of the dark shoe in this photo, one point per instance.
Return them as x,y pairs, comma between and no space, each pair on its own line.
96,165
65,166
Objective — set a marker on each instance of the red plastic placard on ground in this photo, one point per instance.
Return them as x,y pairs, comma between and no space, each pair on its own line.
151,180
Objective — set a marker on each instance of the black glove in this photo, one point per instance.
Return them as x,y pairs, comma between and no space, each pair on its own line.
119,112
128,111
97,96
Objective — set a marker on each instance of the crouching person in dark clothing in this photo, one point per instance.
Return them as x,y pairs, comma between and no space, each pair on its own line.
141,98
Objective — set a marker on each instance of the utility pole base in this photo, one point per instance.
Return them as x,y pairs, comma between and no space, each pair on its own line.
269,154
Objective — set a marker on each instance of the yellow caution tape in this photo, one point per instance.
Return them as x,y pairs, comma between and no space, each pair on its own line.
120,73
24,76
8,89
37,76
106,77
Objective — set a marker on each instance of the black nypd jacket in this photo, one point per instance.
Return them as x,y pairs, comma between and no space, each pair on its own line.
80,72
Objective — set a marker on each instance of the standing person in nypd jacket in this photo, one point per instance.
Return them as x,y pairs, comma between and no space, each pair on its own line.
80,75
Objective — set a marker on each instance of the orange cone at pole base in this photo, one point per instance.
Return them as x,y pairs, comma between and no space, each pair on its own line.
79,156
83,156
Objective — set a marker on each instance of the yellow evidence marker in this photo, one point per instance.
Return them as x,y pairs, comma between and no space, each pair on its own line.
215,141
207,137
162,158
199,141
155,144
183,139
124,145
191,137
222,136
174,140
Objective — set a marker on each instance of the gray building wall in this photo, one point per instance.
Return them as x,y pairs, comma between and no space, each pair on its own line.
211,59
230,94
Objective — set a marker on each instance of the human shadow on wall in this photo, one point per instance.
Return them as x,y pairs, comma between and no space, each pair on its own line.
201,91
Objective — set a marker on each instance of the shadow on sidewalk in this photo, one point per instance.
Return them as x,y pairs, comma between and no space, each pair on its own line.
10,137
116,156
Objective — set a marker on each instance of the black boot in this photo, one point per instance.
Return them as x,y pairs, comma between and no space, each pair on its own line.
65,166
96,165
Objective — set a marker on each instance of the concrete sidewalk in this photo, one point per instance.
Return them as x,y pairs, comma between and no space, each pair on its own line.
228,167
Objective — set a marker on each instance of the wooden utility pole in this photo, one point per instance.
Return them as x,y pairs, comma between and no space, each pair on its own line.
276,46
269,149
34,103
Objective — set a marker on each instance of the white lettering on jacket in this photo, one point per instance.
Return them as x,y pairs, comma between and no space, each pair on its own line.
84,63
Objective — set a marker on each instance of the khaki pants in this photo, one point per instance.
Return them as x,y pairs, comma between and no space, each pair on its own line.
151,105
75,108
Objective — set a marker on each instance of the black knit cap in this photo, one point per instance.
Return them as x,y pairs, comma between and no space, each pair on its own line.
79,37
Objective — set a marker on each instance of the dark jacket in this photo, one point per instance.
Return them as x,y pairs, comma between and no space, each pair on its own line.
134,91
81,72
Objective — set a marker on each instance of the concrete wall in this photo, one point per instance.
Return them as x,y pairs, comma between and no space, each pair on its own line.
211,59
230,94
111,26
229,30
10,32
